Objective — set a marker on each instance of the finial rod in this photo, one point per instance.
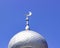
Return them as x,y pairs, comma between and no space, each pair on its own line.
27,21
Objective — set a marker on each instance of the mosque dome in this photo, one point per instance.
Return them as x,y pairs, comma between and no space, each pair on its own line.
27,39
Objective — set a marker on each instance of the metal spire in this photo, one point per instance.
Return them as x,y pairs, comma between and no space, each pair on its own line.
27,21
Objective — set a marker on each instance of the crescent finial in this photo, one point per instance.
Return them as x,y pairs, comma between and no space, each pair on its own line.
29,13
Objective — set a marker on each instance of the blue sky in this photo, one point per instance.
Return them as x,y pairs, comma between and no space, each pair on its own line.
45,19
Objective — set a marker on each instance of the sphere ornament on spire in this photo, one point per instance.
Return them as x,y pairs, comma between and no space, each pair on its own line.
27,39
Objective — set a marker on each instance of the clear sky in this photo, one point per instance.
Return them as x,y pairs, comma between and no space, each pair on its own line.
45,19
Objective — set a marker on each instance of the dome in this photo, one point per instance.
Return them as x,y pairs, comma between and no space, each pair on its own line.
27,39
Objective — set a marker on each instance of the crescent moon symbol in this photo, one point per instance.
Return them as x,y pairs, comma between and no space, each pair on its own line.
30,13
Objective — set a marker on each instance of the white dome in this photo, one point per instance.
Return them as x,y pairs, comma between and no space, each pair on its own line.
27,39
